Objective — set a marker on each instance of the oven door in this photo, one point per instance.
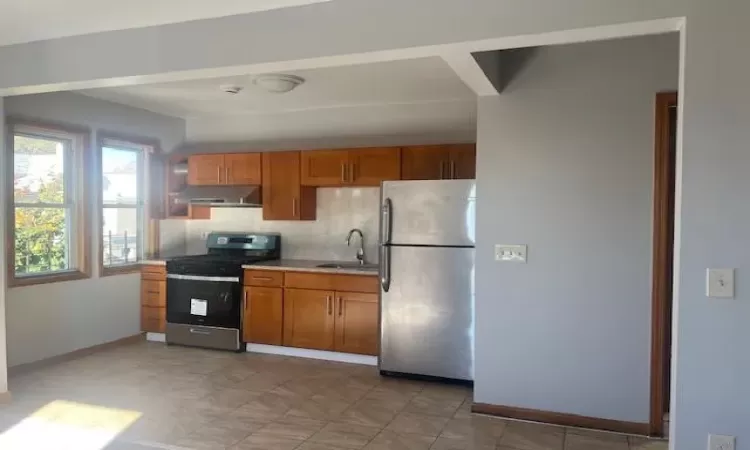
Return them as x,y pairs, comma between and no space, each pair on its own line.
206,301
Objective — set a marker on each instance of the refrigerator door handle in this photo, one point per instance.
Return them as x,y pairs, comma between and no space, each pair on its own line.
385,264
386,220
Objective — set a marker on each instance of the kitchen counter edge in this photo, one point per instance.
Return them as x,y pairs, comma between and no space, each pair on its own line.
298,265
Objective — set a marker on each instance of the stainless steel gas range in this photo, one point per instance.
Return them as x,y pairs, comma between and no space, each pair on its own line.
205,304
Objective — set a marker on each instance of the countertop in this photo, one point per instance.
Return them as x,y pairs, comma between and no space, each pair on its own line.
154,262
307,265
295,265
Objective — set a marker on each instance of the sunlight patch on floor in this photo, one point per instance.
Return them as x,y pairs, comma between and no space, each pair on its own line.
68,425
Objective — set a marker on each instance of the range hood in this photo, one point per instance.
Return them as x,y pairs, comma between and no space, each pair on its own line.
221,196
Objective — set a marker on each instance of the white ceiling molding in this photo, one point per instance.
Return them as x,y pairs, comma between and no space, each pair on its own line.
468,70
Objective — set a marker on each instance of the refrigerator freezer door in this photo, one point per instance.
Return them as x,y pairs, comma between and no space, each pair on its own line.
427,315
428,212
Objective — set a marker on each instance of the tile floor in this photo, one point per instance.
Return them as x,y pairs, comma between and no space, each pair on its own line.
147,395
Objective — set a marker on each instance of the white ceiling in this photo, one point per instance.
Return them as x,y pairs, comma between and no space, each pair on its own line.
34,20
406,82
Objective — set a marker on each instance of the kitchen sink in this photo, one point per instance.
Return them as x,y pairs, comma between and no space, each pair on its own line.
349,266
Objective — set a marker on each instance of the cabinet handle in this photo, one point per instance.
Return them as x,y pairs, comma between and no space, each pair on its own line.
352,172
341,307
294,207
453,170
343,173
442,170
218,174
244,299
263,278
226,175
328,304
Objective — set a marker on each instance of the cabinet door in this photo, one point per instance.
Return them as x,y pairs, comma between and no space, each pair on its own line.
324,167
205,170
308,319
370,166
283,196
463,164
153,319
263,315
357,323
242,169
430,162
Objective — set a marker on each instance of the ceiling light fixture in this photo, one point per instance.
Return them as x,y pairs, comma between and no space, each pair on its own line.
231,88
278,83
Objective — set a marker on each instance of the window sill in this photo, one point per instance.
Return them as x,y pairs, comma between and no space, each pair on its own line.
120,270
32,280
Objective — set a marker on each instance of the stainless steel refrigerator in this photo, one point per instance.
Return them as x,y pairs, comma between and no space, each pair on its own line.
427,278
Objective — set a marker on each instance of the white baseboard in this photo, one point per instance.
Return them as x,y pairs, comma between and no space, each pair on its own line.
313,354
156,337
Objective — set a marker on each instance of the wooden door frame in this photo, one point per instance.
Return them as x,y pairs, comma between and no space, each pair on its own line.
663,246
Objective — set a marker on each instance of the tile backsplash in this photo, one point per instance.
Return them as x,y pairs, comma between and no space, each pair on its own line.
339,210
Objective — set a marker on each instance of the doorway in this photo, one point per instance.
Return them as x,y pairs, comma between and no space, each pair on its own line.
665,160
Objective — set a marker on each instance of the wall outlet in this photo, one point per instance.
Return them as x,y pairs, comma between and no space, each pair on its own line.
719,442
510,253
720,283
204,235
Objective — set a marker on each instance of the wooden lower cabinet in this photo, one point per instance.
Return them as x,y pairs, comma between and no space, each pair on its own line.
153,298
263,315
356,324
308,319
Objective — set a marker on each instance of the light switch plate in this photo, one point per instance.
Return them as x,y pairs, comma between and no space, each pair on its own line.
204,235
510,253
720,283
719,442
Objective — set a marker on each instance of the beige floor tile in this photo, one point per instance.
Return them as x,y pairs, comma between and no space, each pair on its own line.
367,413
476,429
639,443
529,436
464,411
345,435
320,407
460,444
417,424
230,398
591,440
293,428
435,406
388,440
267,407
213,436
267,442
316,446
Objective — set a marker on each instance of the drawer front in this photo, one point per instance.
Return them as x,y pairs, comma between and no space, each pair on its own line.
263,278
357,283
306,280
152,272
154,293
153,319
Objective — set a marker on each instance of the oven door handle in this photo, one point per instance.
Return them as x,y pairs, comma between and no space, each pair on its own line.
175,276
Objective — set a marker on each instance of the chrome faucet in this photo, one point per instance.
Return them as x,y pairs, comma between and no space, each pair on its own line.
361,249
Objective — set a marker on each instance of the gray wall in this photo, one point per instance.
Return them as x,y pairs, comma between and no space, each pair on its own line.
3,262
51,319
565,166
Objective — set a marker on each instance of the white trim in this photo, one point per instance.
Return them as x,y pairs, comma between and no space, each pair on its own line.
156,337
313,354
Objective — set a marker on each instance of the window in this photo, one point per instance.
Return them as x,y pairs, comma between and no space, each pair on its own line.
48,205
124,209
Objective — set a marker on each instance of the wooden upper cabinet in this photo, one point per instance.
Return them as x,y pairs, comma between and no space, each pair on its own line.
427,162
324,167
205,170
357,327
242,169
263,315
309,319
371,166
284,198
463,161
353,167
439,162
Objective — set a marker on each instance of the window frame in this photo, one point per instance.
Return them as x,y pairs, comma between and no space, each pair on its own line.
80,158
150,150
